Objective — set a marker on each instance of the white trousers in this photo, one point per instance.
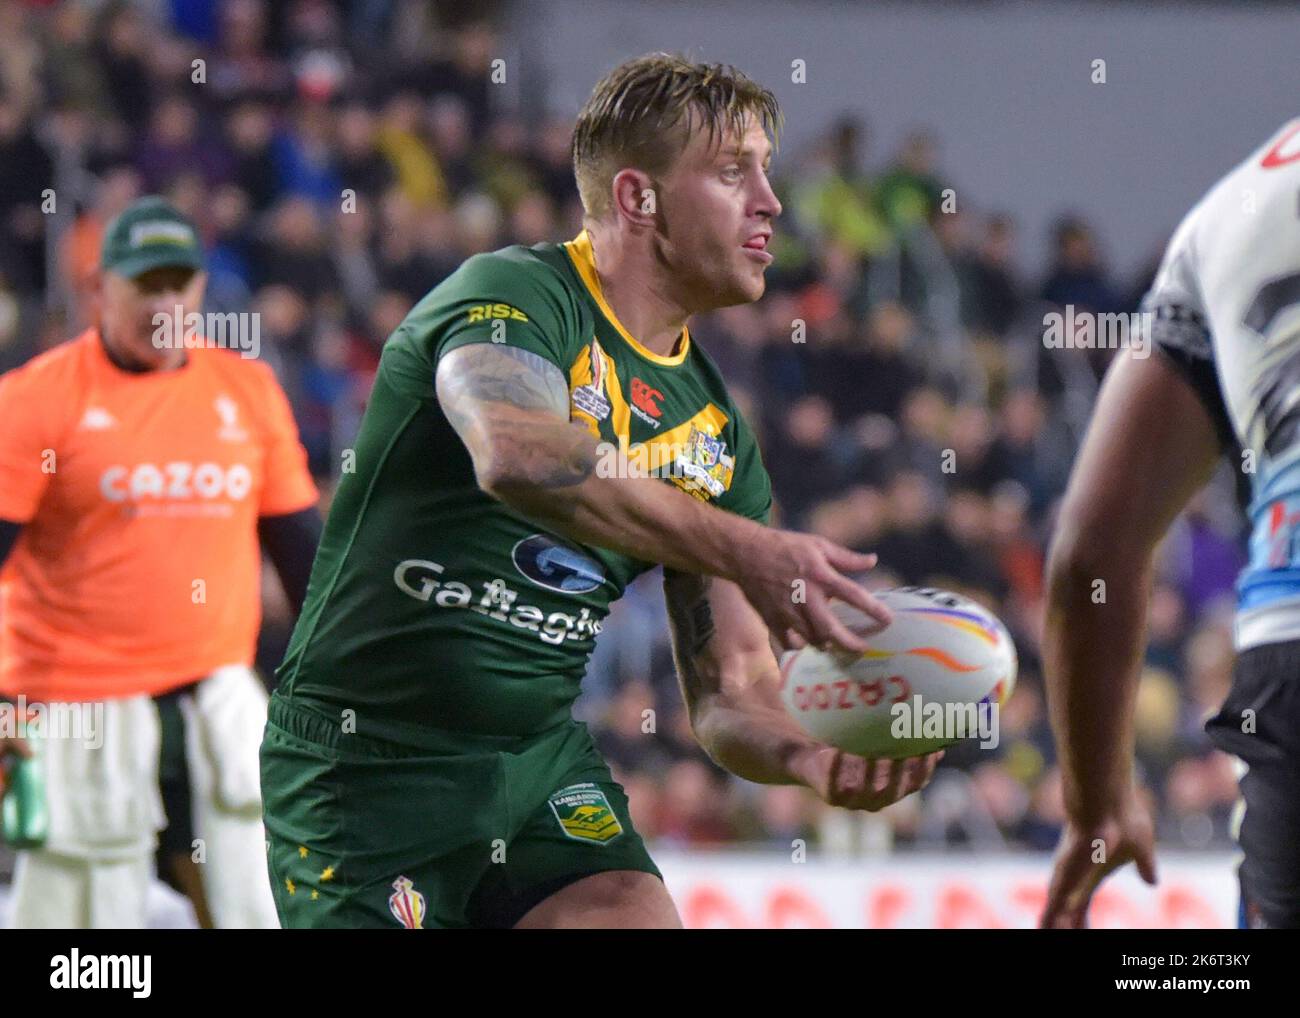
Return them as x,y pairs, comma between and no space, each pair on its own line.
105,812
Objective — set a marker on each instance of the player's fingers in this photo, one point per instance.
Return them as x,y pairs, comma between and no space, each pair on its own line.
848,561
833,778
793,641
875,789
1057,913
829,633
853,780
1065,919
846,590
1146,863
898,773
919,773
931,765
1073,879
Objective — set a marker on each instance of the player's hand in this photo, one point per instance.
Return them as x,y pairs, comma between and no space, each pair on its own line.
15,745
1126,836
790,580
856,782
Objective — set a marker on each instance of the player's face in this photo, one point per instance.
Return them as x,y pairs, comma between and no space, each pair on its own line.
129,310
718,207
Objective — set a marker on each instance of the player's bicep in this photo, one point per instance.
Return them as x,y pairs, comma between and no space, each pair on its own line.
506,404
720,643
485,375
1150,447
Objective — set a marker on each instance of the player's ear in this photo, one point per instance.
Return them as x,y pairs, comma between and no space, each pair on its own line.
635,197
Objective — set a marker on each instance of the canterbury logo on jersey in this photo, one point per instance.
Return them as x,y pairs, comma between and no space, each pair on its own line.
415,578
643,402
487,312
177,480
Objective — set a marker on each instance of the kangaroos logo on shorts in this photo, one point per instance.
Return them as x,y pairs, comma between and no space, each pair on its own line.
556,566
584,813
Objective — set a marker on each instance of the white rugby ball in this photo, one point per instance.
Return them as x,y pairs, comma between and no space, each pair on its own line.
918,688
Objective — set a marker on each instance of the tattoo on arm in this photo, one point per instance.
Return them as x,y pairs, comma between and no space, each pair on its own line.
687,597
492,395
495,373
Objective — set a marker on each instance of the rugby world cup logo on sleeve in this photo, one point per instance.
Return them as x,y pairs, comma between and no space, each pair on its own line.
407,904
590,398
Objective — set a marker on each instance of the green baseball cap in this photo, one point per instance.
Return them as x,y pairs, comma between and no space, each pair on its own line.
149,234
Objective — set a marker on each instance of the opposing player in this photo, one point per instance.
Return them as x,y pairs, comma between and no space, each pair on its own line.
1226,330
421,767
135,480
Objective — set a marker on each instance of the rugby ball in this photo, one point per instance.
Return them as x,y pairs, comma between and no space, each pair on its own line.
938,673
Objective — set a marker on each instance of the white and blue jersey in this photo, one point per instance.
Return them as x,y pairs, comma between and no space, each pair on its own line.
1225,308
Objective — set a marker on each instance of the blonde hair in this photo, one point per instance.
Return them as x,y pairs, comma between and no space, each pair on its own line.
644,111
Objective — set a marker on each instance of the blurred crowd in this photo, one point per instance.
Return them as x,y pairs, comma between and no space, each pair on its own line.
342,159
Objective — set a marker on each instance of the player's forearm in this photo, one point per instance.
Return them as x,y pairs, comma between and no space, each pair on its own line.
754,741
1092,652
549,473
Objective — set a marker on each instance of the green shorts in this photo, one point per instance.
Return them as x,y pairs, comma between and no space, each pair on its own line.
466,831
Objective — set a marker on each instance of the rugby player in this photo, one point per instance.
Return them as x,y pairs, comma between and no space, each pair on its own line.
135,481
1225,309
421,767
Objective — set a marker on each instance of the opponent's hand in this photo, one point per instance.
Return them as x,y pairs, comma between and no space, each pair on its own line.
790,580
856,782
1126,836
15,745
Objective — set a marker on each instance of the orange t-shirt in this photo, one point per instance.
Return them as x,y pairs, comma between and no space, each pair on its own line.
138,568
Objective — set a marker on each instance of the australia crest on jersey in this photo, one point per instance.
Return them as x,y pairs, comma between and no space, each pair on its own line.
590,397
703,464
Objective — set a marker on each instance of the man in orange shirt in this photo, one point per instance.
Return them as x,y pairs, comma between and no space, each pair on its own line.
138,469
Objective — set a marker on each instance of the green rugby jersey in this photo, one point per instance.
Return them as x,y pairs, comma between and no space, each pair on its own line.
433,604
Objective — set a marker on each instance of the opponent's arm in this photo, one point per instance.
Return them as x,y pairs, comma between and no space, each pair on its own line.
1150,446
730,682
511,409
290,541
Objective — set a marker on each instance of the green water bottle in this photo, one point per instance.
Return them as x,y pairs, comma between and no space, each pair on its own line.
24,820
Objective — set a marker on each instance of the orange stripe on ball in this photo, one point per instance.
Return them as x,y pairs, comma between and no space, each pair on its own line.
944,658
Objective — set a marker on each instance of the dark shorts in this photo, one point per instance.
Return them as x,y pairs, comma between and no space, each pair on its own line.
177,838
1260,723
467,831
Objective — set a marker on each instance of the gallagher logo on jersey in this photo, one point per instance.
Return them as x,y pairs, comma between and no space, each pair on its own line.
556,566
